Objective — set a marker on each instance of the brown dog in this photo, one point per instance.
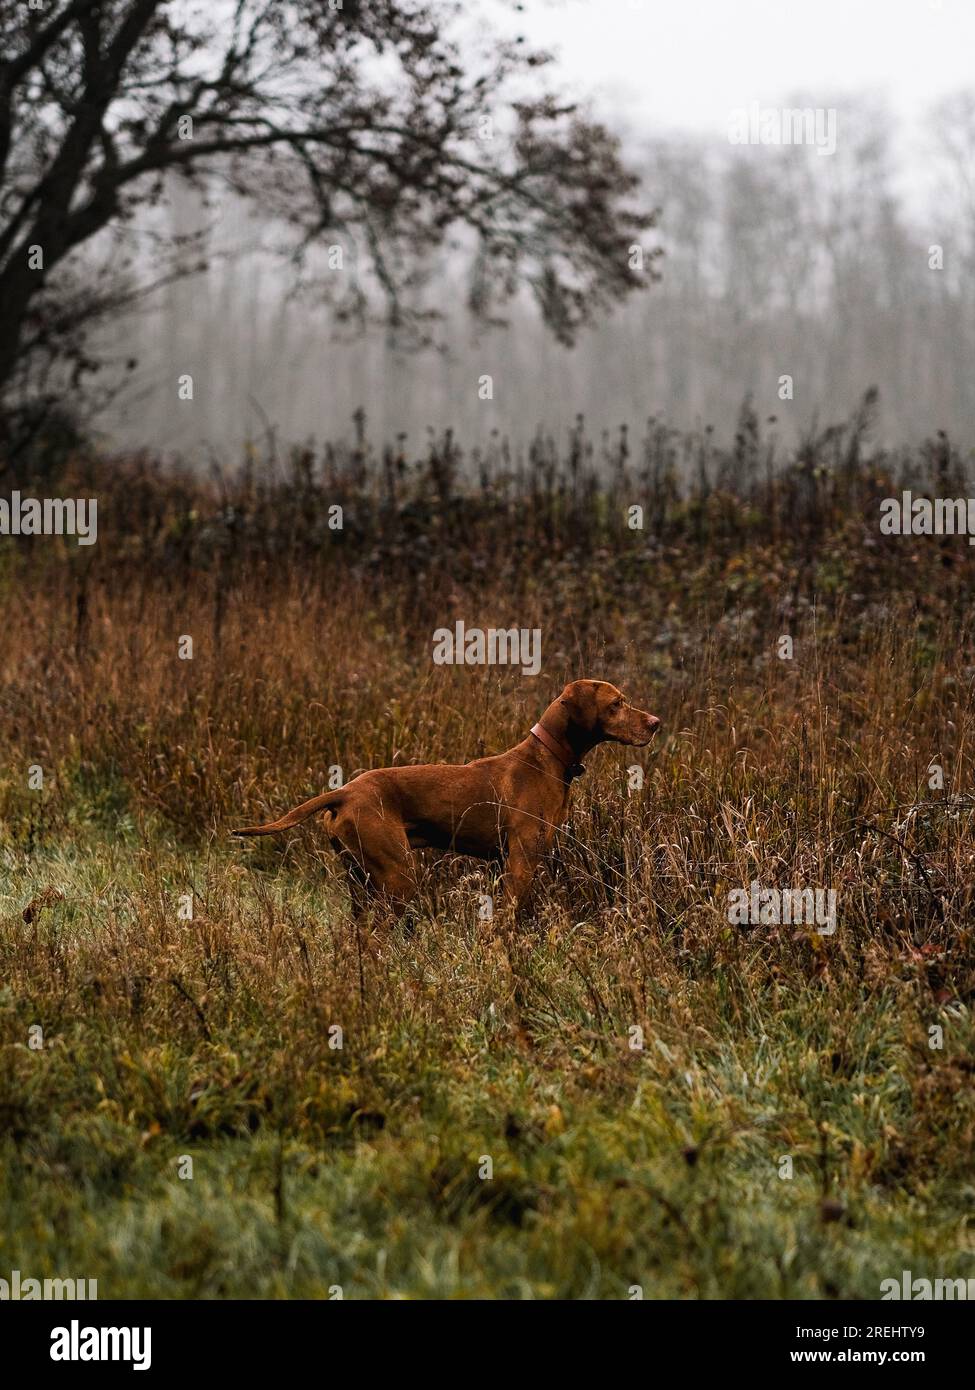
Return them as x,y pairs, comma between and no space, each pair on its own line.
505,807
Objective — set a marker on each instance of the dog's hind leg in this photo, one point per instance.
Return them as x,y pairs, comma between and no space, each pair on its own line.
356,880
378,859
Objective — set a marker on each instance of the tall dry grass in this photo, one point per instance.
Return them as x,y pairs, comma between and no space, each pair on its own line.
312,648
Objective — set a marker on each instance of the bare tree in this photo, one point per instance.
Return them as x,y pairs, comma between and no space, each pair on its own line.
366,119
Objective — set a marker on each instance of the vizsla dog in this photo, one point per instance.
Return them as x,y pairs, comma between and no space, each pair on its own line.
505,807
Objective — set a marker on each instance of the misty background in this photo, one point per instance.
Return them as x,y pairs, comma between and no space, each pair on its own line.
778,260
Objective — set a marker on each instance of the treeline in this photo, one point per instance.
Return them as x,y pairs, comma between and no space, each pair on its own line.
780,262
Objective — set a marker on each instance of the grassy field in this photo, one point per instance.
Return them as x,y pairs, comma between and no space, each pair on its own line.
667,1101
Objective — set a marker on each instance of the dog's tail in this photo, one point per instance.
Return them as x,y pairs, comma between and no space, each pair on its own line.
326,802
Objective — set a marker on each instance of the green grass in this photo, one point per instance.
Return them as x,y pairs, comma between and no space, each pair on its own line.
765,1048
315,1167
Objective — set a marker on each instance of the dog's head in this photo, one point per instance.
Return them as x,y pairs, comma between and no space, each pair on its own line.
600,712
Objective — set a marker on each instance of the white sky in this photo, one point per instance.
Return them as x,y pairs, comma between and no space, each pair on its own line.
672,64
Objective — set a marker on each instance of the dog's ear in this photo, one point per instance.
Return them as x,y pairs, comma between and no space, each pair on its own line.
579,704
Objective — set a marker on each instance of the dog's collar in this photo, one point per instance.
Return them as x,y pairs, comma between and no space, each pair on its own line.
559,749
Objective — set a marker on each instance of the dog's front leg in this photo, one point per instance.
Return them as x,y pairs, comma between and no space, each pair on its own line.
519,875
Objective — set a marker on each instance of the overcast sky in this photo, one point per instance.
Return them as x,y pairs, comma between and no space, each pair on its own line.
684,64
